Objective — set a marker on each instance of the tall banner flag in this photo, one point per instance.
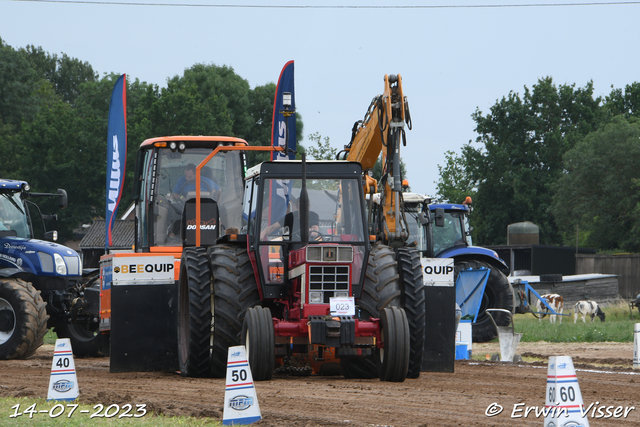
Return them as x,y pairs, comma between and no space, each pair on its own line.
116,153
283,125
283,134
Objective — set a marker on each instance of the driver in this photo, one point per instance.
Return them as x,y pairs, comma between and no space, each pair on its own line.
187,183
293,217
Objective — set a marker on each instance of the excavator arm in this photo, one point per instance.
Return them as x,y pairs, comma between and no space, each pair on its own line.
381,131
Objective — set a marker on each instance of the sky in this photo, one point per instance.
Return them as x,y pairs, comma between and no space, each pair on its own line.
454,56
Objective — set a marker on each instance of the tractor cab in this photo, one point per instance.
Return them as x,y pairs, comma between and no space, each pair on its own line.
14,218
451,227
291,224
165,181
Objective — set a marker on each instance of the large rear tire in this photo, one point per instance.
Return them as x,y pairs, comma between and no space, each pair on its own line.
259,341
234,291
394,354
497,294
23,319
413,303
194,313
381,289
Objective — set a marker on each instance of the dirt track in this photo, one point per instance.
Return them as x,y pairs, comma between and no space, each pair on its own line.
458,399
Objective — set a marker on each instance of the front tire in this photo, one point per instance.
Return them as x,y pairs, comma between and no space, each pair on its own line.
394,354
381,289
259,340
23,319
497,294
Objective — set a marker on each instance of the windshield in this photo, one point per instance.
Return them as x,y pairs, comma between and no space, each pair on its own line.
13,216
416,230
335,210
452,234
221,180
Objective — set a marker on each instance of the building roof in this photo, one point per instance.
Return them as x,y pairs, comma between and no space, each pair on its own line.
122,235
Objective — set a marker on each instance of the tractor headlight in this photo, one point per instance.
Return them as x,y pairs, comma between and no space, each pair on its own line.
315,297
342,294
61,267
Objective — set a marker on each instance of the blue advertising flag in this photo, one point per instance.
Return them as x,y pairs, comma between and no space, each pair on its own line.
283,126
116,153
283,133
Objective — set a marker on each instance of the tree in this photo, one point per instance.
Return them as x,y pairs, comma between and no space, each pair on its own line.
65,74
625,102
54,113
520,158
600,190
19,83
456,181
321,150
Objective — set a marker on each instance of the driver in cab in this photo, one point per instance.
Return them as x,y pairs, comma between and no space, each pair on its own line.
187,183
291,218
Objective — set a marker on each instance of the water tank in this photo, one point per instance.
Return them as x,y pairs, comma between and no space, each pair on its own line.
523,233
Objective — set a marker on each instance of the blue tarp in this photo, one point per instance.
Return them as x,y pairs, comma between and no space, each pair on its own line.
470,289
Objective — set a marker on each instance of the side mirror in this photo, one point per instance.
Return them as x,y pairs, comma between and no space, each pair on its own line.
62,203
439,217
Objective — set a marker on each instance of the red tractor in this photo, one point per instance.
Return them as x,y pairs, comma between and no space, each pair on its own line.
298,277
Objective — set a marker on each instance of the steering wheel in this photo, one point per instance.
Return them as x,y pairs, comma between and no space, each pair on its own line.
319,237
169,201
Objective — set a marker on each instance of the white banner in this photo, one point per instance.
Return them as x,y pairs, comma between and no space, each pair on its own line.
437,271
146,270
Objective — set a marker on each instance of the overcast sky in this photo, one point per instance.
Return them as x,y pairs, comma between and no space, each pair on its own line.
454,56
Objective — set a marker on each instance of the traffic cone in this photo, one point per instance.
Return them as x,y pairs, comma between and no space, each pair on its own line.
240,400
63,384
563,403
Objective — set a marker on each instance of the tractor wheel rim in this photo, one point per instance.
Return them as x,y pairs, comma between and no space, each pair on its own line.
7,321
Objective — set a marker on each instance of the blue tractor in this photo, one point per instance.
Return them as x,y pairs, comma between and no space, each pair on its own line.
442,231
42,284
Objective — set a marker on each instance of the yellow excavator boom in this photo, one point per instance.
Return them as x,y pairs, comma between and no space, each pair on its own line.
382,131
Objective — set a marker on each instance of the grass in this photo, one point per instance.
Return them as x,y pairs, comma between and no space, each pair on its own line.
8,408
618,327
11,405
50,337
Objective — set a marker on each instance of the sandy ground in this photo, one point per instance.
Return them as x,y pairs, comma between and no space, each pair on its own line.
604,371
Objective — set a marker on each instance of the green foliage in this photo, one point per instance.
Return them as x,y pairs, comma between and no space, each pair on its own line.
54,112
600,190
18,102
321,150
456,182
556,156
522,141
626,103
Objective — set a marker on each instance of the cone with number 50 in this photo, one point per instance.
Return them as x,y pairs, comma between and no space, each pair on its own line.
240,400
